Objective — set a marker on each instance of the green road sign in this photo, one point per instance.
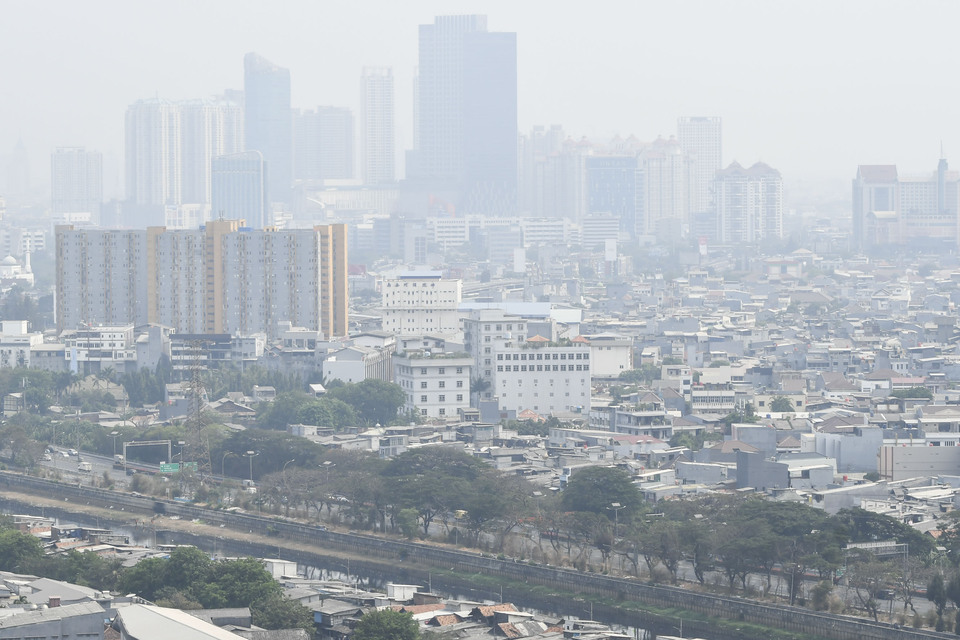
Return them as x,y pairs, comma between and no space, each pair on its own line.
173,467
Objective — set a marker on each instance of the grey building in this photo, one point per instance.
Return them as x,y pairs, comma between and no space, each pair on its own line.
240,188
268,120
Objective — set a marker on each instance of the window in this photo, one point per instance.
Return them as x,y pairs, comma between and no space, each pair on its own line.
443,411
459,369
423,385
441,398
423,412
441,371
442,384
459,397
460,382
423,398
423,371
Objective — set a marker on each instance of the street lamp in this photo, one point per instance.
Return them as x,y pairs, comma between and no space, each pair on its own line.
114,434
181,444
615,507
251,455
327,465
223,461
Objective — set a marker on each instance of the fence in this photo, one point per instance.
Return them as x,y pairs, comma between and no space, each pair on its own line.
785,617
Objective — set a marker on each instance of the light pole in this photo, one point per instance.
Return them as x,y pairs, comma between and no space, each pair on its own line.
223,461
615,507
251,455
114,434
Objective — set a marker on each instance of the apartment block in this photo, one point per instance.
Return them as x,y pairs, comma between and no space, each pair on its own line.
436,385
421,303
223,278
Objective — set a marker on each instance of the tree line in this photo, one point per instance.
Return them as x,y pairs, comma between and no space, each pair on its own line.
187,579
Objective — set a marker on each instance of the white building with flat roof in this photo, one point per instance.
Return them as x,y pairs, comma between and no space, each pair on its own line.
16,342
436,385
540,375
420,303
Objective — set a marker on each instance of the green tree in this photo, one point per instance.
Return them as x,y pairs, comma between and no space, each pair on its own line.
597,489
18,551
243,582
386,625
866,526
912,392
375,401
781,404
937,594
279,612
328,412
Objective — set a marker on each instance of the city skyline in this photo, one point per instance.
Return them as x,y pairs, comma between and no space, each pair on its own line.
595,81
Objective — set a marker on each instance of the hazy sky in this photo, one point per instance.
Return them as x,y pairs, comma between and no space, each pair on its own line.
812,87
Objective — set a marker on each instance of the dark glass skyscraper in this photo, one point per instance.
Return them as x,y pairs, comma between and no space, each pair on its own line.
467,112
239,188
268,120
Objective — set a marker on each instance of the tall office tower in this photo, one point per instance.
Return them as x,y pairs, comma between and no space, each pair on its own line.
101,277
537,150
467,106
333,279
152,159
876,193
223,278
665,211
18,171
268,120
323,144
749,203
239,189
208,128
700,141
490,123
377,153
615,185
76,182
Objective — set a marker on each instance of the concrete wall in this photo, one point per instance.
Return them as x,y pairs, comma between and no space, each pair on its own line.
900,463
421,557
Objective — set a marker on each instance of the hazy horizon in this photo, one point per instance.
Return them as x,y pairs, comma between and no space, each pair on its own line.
811,88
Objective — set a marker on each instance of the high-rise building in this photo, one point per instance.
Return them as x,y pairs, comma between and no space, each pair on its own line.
700,141
76,182
749,203
152,159
467,111
323,144
239,188
891,208
223,278
377,138
208,128
490,171
268,120
168,150
615,185
101,277
665,211
876,190
18,171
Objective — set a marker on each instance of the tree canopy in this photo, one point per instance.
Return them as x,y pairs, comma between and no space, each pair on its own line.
386,624
596,489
